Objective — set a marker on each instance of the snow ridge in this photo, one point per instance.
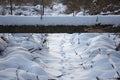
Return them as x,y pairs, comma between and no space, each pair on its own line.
63,20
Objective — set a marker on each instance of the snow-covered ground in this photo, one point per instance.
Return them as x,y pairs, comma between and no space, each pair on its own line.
31,15
78,56
63,20
86,56
19,57
57,9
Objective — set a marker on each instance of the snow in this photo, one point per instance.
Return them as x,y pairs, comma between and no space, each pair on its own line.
31,15
94,62
78,56
3,44
57,9
18,57
63,20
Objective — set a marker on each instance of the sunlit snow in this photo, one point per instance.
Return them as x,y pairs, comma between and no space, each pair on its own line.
65,56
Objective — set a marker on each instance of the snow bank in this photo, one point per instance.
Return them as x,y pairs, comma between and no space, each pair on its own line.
20,58
63,20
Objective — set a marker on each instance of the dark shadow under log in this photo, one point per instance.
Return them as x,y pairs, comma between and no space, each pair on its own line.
59,29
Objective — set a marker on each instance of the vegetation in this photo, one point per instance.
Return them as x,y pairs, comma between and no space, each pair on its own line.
87,6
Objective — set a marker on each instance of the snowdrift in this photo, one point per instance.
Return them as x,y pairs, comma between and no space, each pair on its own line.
59,56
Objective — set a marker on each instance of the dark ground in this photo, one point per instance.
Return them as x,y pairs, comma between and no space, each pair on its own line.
59,29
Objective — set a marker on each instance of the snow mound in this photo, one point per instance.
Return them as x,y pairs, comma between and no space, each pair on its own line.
20,58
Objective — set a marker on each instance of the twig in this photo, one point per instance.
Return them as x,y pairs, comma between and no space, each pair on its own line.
37,77
17,71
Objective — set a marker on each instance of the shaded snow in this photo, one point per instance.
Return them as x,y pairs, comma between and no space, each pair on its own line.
63,20
18,56
57,9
